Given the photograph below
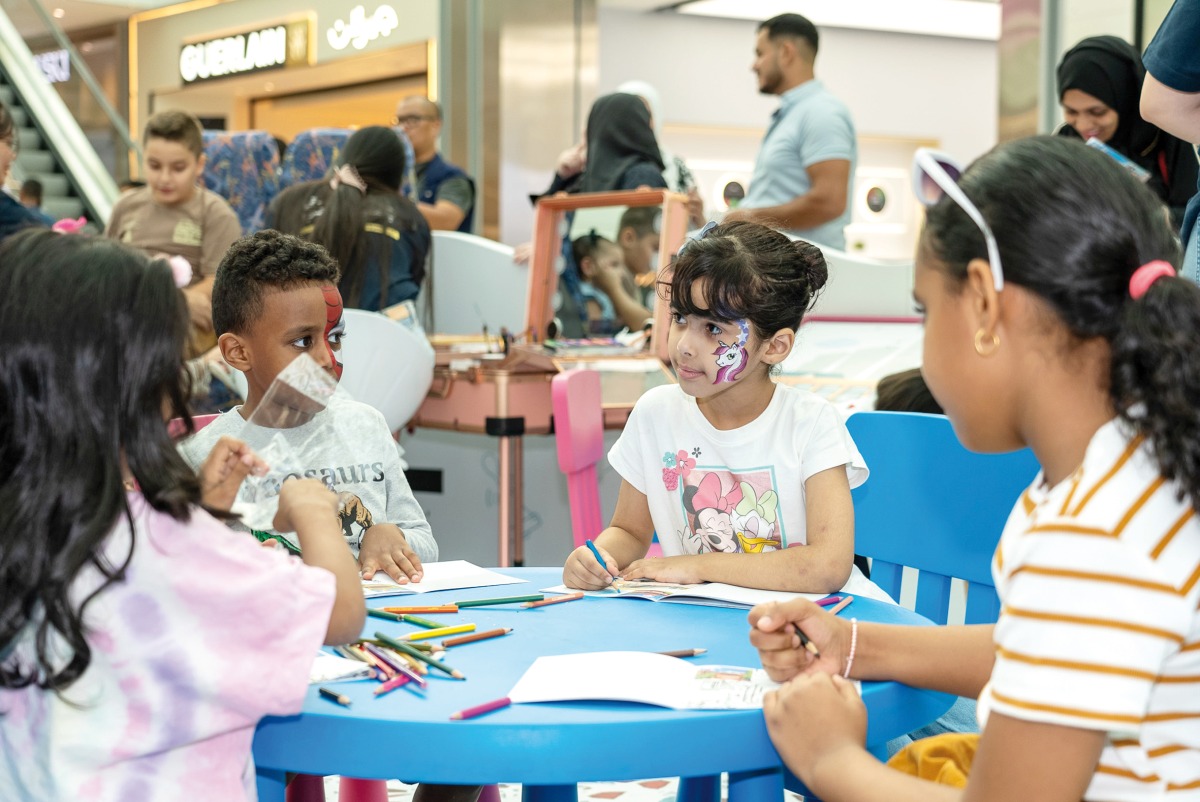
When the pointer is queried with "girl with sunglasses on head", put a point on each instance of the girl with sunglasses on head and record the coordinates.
(728, 467)
(1081, 345)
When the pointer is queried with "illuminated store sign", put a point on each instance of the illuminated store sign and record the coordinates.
(55, 65)
(261, 49)
(361, 29)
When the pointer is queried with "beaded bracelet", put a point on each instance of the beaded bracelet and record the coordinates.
(853, 644)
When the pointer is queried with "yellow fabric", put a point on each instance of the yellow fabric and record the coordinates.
(944, 759)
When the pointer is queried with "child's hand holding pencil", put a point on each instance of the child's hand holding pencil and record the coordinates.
(799, 637)
(590, 568)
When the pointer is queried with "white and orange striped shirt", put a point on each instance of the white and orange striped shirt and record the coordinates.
(1100, 628)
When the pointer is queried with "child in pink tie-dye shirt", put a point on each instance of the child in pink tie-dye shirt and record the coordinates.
(141, 640)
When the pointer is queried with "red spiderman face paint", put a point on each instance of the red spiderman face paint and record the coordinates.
(335, 327)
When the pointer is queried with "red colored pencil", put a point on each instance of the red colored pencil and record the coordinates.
(479, 710)
(568, 597)
(392, 684)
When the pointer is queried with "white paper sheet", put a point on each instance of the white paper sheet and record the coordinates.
(449, 575)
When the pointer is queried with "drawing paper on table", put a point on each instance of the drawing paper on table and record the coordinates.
(710, 594)
(335, 668)
(647, 677)
(449, 575)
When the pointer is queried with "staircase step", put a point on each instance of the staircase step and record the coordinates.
(20, 118)
(7, 95)
(28, 139)
(58, 208)
(53, 184)
(36, 161)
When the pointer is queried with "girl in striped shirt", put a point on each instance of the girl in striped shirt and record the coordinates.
(1053, 319)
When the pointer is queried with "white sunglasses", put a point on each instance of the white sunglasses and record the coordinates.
(936, 174)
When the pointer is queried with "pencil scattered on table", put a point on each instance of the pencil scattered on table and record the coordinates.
(503, 600)
(684, 652)
(392, 684)
(440, 632)
(491, 633)
(334, 696)
(420, 622)
(841, 605)
(555, 600)
(417, 653)
(479, 710)
(426, 609)
(828, 601)
(374, 613)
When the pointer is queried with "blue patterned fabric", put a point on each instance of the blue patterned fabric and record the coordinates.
(243, 168)
(409, 187)
(311, 154)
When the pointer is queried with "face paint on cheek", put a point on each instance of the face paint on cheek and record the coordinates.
(335, 327)
(731, 359)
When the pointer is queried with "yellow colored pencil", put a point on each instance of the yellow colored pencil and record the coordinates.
(457, 629)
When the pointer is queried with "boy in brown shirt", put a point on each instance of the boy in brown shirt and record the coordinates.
(174, 216)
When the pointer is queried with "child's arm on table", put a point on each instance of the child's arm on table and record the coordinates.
(385, 548)
(398, 546)
(821, 566)
(310, 509)
(818, 724)
(626, 539)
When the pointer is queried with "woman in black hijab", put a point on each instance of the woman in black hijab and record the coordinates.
(1099, 87)
(622, 152)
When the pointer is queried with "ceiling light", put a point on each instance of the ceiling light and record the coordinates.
(59, 13)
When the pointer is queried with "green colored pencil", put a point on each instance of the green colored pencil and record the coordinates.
(401, 646)
(421, 622)
(506, 600)
(384, 614)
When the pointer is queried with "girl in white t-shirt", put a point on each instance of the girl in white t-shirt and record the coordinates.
(744, 480)
(1053, 319)
(141, 640)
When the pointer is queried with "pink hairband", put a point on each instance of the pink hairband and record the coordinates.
(346, 174)
(1146, 275)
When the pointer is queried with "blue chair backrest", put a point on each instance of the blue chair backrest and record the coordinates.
(932, 505)
(243, 168)
(311, 154)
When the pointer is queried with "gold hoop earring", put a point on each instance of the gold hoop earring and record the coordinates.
(990, 349)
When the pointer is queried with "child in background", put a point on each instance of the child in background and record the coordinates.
(1075, 337)
(141, 640)
(275, 298)
(730, 468)
(609, 305)
(173, 216)
(637, 234)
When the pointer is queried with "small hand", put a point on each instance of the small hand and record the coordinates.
(583, 571)
(301, 498)
(221, 475)
(523, 253)
(812, 718)
(572, 160)
(684, 569)
(773, 631)
(384, 548)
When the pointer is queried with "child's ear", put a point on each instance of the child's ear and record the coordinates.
(201, 160)
(779, 346)
(587, 267)
(235, 352)
(627, 237)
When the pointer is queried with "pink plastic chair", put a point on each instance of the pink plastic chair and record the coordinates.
(579, 438)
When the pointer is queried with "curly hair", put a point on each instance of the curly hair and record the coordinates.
(1072, 226)
(749, 272)
(260, 262)
(76, 398)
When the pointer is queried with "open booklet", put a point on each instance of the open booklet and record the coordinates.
(653, 679)
(449, 575)
(711, 594)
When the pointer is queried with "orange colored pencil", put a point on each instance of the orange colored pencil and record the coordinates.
(441, 608)
(491, 633)
(843, 604)
(557, 599)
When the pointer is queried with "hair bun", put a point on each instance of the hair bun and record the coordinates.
(812, 264)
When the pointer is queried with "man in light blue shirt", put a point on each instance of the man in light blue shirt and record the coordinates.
(803, 174)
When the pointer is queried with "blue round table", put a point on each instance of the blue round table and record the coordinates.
(549, 747)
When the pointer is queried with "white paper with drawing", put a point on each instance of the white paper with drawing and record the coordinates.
(449, 575)
(708, 594)
(653, 679)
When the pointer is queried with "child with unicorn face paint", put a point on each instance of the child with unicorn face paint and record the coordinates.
(744, 480)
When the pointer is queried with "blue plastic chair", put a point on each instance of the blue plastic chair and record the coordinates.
(313, 152)
(243, 168)
(932, 505)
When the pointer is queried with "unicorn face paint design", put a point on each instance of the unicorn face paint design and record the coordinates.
(731, 359)
(335, 327)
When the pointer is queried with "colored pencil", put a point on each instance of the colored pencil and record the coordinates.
(400, 646)
(491, 633)
(479, 710)
(842, 605)
(421, 622)
(596, 553)
(381, 655)
(392, 684)
(503, 600)
(807, 644)
(440, 632)
(684, 652)
(428, 609)
(413, 674)
(375, 613)
(332, 695)
(383, 668)
(828, 601)
(555, 600)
